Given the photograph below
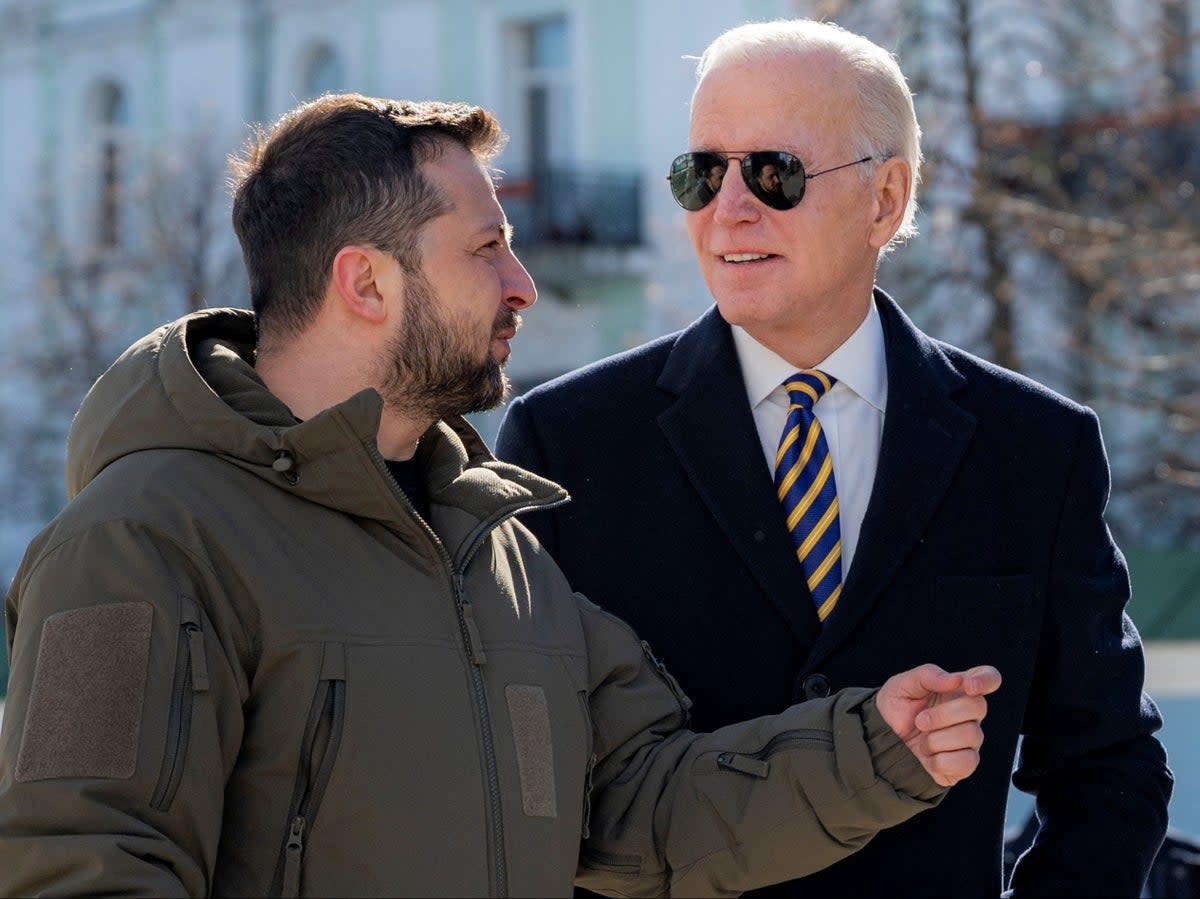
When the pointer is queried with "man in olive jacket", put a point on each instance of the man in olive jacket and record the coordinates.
(290, 638)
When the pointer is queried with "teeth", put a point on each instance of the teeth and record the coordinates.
(744, 257)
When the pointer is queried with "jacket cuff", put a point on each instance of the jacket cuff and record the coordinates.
(895, 762)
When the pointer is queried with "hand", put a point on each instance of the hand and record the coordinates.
(937, 714)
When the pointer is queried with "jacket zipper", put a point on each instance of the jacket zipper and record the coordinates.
(757, 764)
(191, 677)
(669, 679)
(318, 753)
(587, 797)
(473, 645)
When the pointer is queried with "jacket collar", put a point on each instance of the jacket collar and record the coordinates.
(192, 385)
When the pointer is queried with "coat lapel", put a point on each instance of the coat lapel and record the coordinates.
(925, 434)
(711, 430)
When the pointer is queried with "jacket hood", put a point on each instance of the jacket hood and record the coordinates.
(191, 385)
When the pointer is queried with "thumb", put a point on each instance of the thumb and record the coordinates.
(981, 680)
(929, 678)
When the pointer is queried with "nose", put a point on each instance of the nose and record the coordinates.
(734, 203)
(519, 290)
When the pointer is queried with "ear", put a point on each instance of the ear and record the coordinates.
(363, 282)
(892, 185)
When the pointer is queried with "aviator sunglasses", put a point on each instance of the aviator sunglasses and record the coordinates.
(774, 176)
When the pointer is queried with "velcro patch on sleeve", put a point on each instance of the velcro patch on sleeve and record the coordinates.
(530, 716)
(89, 686)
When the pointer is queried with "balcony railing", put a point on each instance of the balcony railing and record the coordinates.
(573, 207)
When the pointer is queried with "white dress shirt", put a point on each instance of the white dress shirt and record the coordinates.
(851, 414)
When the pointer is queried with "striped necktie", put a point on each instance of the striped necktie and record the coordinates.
(805, 484)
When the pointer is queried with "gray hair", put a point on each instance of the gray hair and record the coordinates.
(886, 123)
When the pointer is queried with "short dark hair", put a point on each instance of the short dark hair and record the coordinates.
(339, 170)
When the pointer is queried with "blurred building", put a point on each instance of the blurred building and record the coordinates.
(594, 96)
(116, 116)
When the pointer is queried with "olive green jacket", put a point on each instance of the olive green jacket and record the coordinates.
(241, 664)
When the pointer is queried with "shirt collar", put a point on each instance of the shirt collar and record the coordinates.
(860, 363)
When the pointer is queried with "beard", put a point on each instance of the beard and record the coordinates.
(431, 368)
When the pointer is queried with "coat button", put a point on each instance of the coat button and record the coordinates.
(816, 686)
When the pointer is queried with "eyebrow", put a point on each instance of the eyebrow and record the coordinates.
(503, 229)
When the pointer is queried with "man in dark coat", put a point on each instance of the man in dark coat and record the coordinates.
(802, 491)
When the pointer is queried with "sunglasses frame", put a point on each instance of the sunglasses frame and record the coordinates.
(747, 164)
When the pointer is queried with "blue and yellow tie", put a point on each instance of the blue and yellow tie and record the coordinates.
(805, 484)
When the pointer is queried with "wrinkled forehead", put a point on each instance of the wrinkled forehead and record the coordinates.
(795, 102)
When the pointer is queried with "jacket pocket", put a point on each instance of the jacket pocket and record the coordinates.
(586, 829)
(191, 677)
(318, 754)
(732, 779)
(758, 763)
(685, 704)
(576, 668)
(994, 606)
(969, 595)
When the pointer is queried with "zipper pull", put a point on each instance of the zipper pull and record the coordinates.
(199, 660)
(474, 641)
(744, 764)
(478, 656)
(195, 637)
(293, 855)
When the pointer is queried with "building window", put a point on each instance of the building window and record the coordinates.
(543, 86)
(323, 72)
(111, 116)
(537, 95)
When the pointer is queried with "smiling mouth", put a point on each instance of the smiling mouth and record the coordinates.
(746, 257)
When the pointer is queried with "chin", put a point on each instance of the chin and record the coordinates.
(736, 311)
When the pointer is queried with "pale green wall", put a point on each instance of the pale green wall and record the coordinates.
(609, 88)
(621, 298)
(607, 76)
(457, 38)
(460, 41)
(371, 44)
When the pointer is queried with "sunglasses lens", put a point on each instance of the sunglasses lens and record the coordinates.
(695, 179)
(775, 177)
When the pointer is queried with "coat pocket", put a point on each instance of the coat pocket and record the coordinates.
(318, 755)
(994, 605)
(191, 677)
(991, 619)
